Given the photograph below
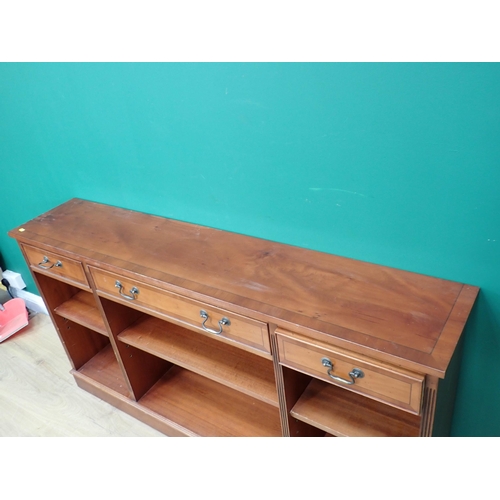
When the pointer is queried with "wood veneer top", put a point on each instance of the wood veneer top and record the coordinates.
(403, 316)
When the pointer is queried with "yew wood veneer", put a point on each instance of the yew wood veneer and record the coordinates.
(203, 332)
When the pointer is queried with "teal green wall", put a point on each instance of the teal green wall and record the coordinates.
(397, 164)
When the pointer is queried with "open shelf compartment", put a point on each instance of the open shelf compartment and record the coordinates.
(82, 309)
(340, 412)
(240, 370)
(104, 369)
(206, 408)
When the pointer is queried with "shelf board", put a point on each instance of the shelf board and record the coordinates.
(104, 368)
(82, 309)
(207, 408)
(228, 365)
(341, 412)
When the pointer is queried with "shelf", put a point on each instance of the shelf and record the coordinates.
(82, 309)
(235, 368)
(207, 408)
(341, 412)
(104, 369)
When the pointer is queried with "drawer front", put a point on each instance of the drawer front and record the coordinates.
(394, 386)
(62, 268)
(186, 312)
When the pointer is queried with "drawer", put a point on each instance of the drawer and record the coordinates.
(380, 381)
(61, 268)
(225, 325)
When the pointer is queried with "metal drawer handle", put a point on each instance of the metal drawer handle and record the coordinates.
(134, 291)
(222, 322)
(354, 373)
(46, 261)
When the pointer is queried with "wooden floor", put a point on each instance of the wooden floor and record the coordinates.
(39, 397)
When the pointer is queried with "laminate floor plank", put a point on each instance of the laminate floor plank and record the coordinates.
(39, 397)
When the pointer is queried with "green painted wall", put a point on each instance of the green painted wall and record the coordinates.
(397, 164)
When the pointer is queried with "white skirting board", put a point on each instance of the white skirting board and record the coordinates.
(32, 301)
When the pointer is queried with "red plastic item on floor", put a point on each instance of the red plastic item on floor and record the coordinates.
(13, 317)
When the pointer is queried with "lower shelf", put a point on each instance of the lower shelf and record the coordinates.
(208, 408)
(181, 403)
(124, 403)
(104, 369)
(341, 412)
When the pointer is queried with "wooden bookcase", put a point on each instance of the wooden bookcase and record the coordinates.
(202, 332)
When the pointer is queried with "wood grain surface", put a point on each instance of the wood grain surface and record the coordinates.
(398, 315)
